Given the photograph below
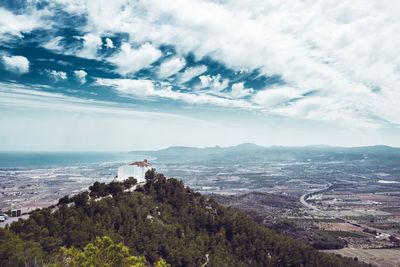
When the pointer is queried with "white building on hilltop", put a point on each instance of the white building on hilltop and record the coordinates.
(136, 170)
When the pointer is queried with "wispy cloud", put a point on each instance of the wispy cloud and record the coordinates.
(18, 96)
(14, 25)
(146, 88)
(54, 44)
(171, 67)
(192, 72)
(276, 96)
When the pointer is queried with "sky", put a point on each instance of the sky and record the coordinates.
(124, 75)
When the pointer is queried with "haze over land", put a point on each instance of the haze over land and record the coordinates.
(329, 197)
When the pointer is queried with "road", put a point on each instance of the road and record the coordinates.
(12, 219)
(303, 197)
(303, 201)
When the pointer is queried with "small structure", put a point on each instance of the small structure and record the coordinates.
(15, 212)
(136, 170)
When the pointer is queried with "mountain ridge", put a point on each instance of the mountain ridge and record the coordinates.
(249, 152)
(256, 146)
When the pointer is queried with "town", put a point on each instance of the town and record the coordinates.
(346, 207)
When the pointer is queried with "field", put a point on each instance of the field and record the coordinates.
(379, 257)
(331, 198)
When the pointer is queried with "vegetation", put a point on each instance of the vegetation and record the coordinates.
(161, 220)
(103, 252)
(16, 252)
(327, 240)
(260, 206)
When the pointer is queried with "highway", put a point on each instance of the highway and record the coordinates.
(303, 201)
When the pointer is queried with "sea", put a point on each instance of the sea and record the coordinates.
(60, 159)
(30, 180)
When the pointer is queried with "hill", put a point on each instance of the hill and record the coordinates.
(161, 220)
(245, 153)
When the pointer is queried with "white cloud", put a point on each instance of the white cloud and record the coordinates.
(109, 43)
(272, 97)
(16, 64)
(239, 91)
(146, 89)
(18, 95)
(91, 43)
(130, 60)
(323, 46)
(57, 75)
(312, 45)
(15, 25)
(139, 88)
(171, 66)
(327, 110)
(54, 44)
(80, 76)
(214, 83)
(113, 126)
(192, 72)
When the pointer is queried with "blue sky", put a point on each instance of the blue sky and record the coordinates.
(122, 75)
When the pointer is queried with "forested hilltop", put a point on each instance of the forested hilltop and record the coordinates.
(159, 224)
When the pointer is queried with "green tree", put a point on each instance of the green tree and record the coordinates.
(102, 252)
(81, 199)
(162, 263)
(64, 200)
(165, 220)
(128, 183)
(98, 189)
(115, 188)
(15, 252)
(150, 175)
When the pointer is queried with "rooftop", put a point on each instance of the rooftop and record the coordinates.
(143, 163)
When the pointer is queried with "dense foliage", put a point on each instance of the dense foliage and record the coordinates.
(161, 220)
(102, 252)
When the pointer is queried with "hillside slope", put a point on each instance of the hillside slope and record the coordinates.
(163, 219)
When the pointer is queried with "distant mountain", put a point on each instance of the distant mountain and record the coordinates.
(248, 152)
(206, 150)
(375, 149)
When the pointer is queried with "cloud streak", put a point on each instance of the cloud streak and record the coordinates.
(14, 96)
(147, 89)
